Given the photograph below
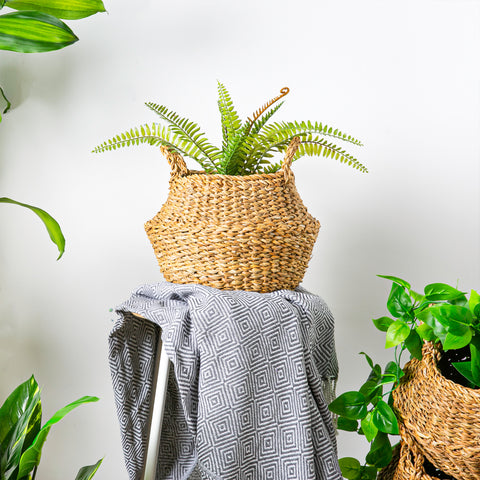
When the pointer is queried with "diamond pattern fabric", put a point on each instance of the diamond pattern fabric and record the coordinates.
(250, 380)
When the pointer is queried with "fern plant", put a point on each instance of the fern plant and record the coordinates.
(248, 147)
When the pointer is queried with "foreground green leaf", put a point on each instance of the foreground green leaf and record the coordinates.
(397, 332)
(30, 32)
(66, 9)
(384, 418)
(350, 468)
(351, 405)
(441, 291)
(31, 457)
(465, 369)
(368, 427)
(86, 473)
(382, 323)
(380, 452)
(347, 424)
(399, 302)
(414, 344)
(18, 417)
(52, 226)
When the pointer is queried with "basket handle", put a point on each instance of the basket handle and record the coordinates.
(176, 162)
(289, 154)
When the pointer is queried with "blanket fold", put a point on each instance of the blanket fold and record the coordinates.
(250, 380)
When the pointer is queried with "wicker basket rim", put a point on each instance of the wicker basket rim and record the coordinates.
(237, 178)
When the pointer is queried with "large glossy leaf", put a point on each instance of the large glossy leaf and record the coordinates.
(414, 344)
(347, 424)
(352, 405)
(465, 369)
(458, 336)
(350, 468)
(66, 9)
(86, 473)
(473, 301)
(368, 427)
(31, 457)
(18, 417)
(30, 32)
(50, 223)
(382, 323)
(397, 332)
(380, 452)
(384, 418)
(399, 302)
(441, 291)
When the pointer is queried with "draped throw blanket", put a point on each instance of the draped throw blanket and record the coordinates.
(250, 380)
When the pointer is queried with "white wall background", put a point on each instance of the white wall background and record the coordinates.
(402, 76)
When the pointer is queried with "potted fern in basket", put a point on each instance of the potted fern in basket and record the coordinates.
(247, 148)
(240, 223)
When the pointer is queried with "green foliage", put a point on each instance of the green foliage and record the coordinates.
(52, 226)
(247, 147)
(36, 25)
(22, 437)
(442, 314)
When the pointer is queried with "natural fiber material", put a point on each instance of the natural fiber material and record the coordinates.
(442, 417)
(233, 232)
(407, 463)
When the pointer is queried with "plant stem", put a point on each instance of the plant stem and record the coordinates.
(34, 472)
(7, 108)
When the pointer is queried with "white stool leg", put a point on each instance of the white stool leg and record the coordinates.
(160, 394)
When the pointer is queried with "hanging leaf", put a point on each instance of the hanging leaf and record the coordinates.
(86, 473)
(397, 332)
(351, 405)
(32, 455)
(66, 9)
(350, 468)
(384, 418)
(50, 223)
(30, 32)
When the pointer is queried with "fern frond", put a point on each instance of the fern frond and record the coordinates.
(238, 148)
(264, 108)
(154, 135)
(194, 140)
(259, 124)
(301, 128)
(231, 122)
(317, 146)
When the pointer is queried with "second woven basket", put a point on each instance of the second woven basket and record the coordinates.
(233, 232)
(442, 417)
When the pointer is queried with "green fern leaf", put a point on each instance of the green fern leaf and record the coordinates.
(193, 140)
(231, 122)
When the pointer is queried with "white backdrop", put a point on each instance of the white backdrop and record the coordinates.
(404, 77)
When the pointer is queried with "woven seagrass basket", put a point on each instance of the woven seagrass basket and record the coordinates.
(233, 232)
(442, 417)
(406, 464)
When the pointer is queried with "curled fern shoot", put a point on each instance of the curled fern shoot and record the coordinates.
(248, 147)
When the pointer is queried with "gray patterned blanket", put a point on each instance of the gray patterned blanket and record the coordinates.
(250, 380)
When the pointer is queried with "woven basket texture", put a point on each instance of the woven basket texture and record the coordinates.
(233, 232)
(406, 464)
(442, 417)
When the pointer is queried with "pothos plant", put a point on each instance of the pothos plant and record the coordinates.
(248, 146)
(36, 26)
(442, 314)
(22, 435)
